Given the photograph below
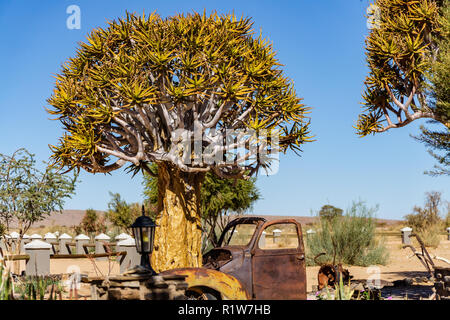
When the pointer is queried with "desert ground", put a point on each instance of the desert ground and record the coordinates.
(401, 266)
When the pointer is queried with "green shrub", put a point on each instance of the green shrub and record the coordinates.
(341, 292)
(41, 288)
(6, 283)
(345, 292)
(349, 239)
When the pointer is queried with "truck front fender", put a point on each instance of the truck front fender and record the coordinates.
(228, 286)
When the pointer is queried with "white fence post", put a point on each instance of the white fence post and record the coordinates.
(35, 236)
(50, 238)
(276, 235)
(262, 240)
(25, 239)
(310, 233)
(100, 240)
(406, 232)
(81, 240)
(132, 258)
(39, 262)
(14, 241)
(63, 239)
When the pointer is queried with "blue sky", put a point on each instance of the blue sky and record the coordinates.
(321, 44)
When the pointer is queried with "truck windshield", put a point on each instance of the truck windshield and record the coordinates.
(239, 235)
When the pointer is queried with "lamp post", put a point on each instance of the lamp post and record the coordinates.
(144, 234)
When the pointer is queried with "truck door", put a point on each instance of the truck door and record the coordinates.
(278, 262)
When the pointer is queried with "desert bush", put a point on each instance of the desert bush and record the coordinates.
(343, 291)
(427, 215)
(426, 222)
(349, 239)
(430, 235)
(92, 223)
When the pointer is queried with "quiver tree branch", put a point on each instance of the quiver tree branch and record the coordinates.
(401, 49)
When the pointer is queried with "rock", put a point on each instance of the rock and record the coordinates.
(359, 287)
(140, 288)
(137, 270)
(403, 283)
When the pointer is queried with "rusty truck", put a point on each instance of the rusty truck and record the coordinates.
(254, 259)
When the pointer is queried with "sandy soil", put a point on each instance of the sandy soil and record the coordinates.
(399, 267)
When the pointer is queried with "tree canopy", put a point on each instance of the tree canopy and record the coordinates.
(123, 214)
(436, 140)
(191, 93)
(401, 49)
(28, 195)
(144, 88)
(92, 223)
(329, 212)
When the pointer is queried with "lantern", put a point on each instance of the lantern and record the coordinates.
(144, 235)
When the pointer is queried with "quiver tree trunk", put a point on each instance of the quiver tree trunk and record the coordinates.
(178, 237)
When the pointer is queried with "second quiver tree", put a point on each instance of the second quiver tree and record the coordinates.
(403, 47)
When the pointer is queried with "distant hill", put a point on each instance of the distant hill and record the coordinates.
(69, 218)
(310, 220)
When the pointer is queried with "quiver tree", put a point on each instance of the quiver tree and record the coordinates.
(438, 141)
(175, 92)
(402, 46)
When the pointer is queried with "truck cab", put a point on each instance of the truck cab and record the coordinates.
(266, 257)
